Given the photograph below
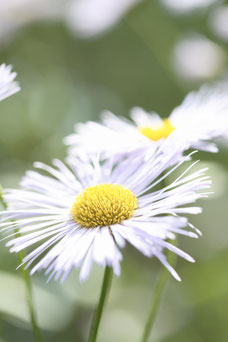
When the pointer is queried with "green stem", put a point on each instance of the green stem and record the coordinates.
(103, 297)
(2, 200)
(28, 289)
(28, 292)
(159, 288)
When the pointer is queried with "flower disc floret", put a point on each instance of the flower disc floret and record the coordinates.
(103, 205)
(155, 134)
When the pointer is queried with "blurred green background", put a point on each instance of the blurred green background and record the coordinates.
(153, 54)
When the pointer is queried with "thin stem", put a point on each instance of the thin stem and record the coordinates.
(28, 289)
(159, 288)
(2, 200)
(103, 297)
(28, 292)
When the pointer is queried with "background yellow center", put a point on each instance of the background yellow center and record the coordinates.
(162, 131)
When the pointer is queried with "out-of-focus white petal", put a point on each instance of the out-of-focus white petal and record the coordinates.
(8, 86)
(203, 115)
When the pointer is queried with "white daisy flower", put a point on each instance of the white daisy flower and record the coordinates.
(202, 116)
(8, 86)
(84, 213)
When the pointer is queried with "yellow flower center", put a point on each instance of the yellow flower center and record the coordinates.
(162, 131)
(103, 205)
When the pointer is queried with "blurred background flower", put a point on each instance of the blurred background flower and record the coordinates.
(134, 59)
(186, 6)
(219, 22)
(197, 58)
(85, 18)
(18, 13)
(88, 18)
